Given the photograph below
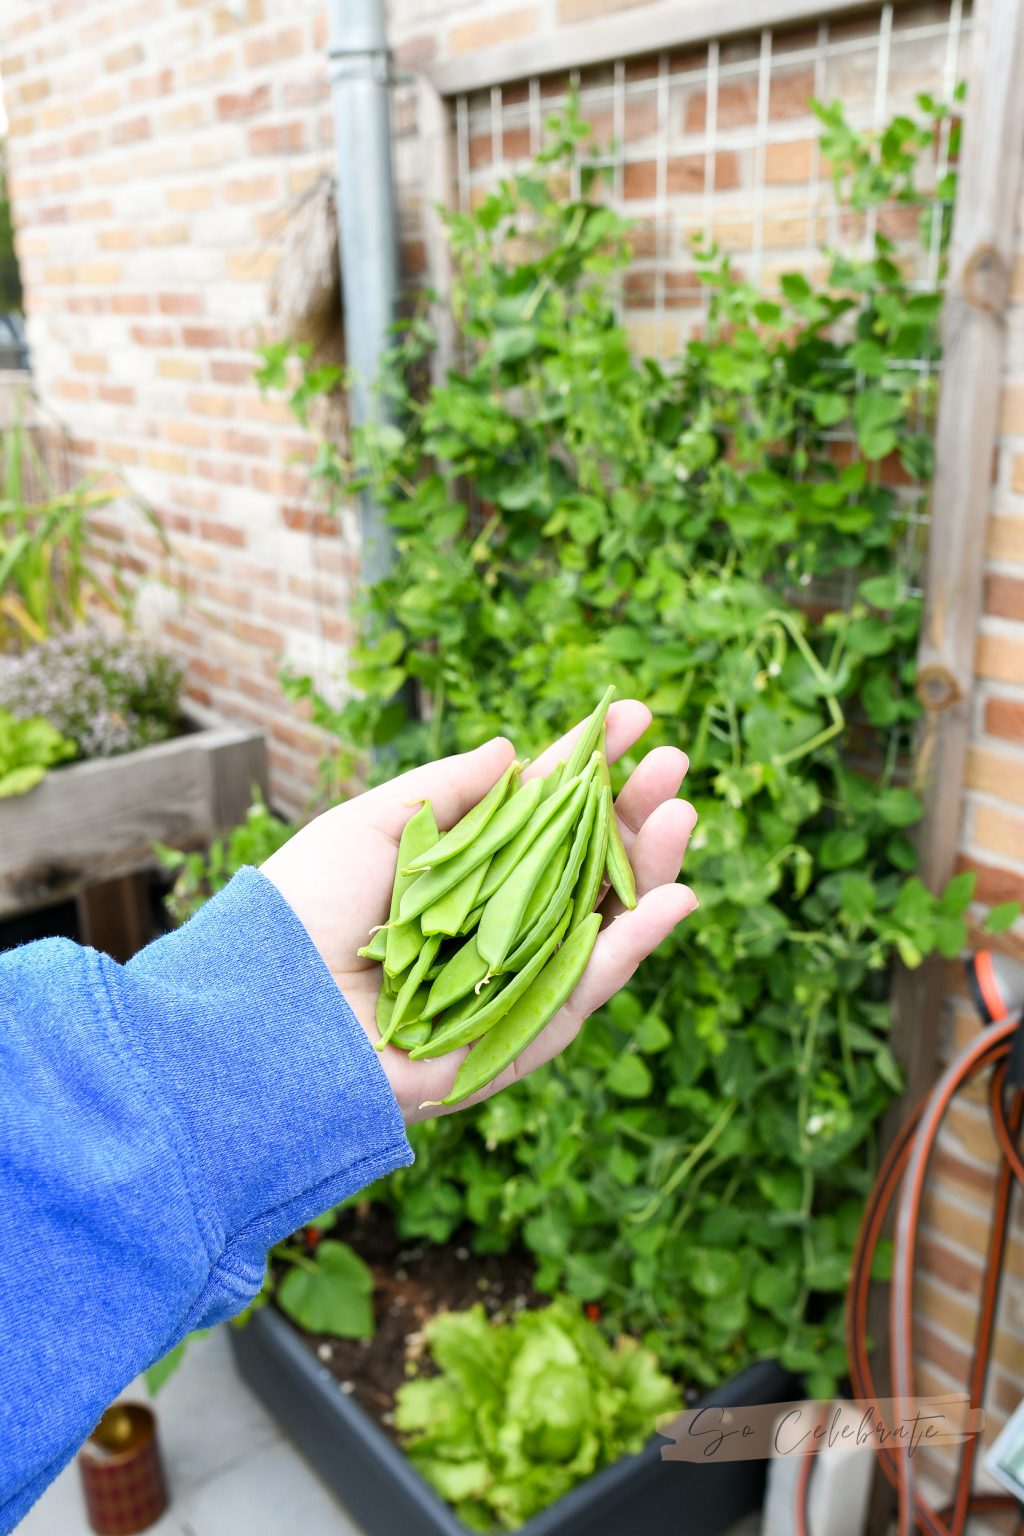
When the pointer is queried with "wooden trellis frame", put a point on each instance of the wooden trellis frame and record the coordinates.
(981, 256)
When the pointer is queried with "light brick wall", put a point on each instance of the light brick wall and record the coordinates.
(154, 153)
(154, 149)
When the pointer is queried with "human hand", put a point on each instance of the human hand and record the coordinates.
(337, 874)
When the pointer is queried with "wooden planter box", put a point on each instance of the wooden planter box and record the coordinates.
(386, 1496)
(87, 832)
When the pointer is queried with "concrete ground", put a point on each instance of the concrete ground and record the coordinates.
(229, 1468)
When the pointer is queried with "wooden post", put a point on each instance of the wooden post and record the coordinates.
(981, 260)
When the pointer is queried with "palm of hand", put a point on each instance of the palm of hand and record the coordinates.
(337, 875)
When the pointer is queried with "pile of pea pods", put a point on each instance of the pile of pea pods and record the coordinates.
(493, 922)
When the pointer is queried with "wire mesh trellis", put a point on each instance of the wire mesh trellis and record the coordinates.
(719, 143)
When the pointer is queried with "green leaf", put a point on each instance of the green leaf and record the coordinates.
(630, 1077)
(899, 807)
(332, 1295)
(1002, 917)
(841, 848)
(873, 416)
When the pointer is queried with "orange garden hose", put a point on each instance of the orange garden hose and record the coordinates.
(903, 1173)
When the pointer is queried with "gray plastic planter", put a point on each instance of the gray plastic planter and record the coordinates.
(387, 1497)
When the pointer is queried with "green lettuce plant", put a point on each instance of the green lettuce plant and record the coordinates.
(27, 749)
(521, 1411)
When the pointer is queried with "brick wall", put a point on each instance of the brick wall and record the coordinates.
(155, 150)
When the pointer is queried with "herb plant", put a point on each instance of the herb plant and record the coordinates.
(108, 693)
(523, 1410)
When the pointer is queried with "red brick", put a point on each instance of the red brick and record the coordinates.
(117, 394)
(151, 335)
(205, 336)
(683, 173)
(1004, 595)
(248, 443)
(276, 138)
(222, 471)
(234, 104)
(303, 520)
(1005, 717)
(129, 303)
(227, 593)
(229, 372)
(132, 131)
(222, 533)
(258, 634)
(180, 303)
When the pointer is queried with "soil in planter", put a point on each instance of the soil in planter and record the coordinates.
(414, 1280)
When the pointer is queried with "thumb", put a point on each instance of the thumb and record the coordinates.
(453, 785)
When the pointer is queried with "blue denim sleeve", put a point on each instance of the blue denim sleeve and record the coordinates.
(161, 1125)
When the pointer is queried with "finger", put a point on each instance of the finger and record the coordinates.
(626, 722)
(657, 778)
(620, 948)
(657, 850)
(453, 785)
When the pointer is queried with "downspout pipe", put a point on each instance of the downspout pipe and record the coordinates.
(360, 72)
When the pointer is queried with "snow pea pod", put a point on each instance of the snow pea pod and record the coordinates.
(451, 1032)
(620, 871)
(469, 828)
(503, 915)
(511, 856)
(418, 834)
(429, 886)
(377, 947)
(449, 912)
(405, 999)
(527, 1017)
(463, 971)
(413, 1033)
(592, 873)
(560, 899)
(546, 886)
(590, 737)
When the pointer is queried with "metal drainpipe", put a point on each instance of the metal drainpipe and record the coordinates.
(359, 64)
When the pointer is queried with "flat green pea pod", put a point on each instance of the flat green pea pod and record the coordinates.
(426, 888)
(453, 1030)
(472, 1002)
(501, 923)
(449, 912)
(405, 1000)
(377, 947)
(385, 1008)
(546, 886)
(511, 856)
(560, 899)
(472, 921)
(588, 886)
(550, 989)
(591, 736)
(402, 944)
(465, 970)
(469, 828)
(414, 1032)
(620, 870)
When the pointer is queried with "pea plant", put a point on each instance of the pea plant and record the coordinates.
(728, 536)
